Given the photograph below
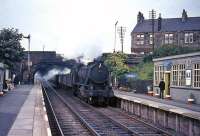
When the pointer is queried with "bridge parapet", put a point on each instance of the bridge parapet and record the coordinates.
(40, 60)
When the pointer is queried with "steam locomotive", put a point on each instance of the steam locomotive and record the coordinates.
(90, 82)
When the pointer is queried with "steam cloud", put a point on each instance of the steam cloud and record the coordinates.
(54, 72)
(51, 74)
(87, 53)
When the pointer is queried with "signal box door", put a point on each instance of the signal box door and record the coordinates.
(167, 83)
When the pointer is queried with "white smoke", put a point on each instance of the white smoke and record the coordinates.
(37, 78)
(55, 71)
(86, 53)
(83, 59)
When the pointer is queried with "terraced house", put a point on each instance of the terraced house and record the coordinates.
(184, 31)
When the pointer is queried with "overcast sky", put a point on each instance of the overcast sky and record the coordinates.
(74, 27)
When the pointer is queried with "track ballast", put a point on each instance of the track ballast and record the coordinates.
(88, 120)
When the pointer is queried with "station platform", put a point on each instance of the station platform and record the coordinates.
(188, 110)
(178, 118)
(22, 112)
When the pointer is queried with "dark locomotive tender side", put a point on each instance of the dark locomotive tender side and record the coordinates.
(90, 82)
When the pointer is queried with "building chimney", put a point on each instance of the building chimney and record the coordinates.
(140, 17)
(159, 22)
(184, 16)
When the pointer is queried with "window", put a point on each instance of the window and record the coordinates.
(150, 39)
(188, 37)
(158, 74)
(181, 75)
(168, 38)
(178, 75)
(140, 39)
(196, 77)
(175, 75)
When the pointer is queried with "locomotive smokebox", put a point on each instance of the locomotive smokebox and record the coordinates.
(96, 72)
(99, 73)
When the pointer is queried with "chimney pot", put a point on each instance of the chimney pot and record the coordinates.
(140, 17)
(184, 16)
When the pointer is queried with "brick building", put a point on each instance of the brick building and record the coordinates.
(184, 31)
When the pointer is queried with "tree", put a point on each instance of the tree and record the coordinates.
(144, 70)
(11, 50)
(116, 64)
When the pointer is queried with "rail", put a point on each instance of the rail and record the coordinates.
(59, 130)
(84, 122)
(122, 127)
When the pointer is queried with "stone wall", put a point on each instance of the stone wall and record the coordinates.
(174, 123)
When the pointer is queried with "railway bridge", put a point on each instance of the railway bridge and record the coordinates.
(40, 61)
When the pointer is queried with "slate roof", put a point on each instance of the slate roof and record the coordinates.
(169, 25)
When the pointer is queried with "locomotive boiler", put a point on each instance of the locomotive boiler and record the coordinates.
(92, 82)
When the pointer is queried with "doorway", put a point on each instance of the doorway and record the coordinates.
(167, 83)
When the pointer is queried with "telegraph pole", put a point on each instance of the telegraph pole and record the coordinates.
(121, 31)
(152, 16)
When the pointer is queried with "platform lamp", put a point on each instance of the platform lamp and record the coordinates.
(29, 63)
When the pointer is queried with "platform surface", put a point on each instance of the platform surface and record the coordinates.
(192, 111)
(10, 105)
(31, 119)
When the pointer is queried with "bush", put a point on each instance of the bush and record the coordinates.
(144, 70)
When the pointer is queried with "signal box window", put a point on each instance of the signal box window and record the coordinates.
(178, 75)
(196, 77)
(188, 37)
(158, 74)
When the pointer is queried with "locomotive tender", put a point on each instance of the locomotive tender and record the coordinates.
(90, 82)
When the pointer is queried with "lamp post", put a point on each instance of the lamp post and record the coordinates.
(115, 37)
(29, 64)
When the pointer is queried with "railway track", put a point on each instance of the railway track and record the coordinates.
(139, 127)
(62, 121)
(100, 121)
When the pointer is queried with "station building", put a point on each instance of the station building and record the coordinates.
(181, 74)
